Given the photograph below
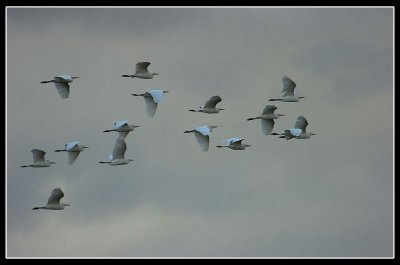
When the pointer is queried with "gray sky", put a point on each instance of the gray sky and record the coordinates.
(330, 196)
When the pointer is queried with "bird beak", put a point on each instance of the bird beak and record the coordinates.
(67, 204)
(136, 126)
(221, 109)
(85, 146)
(75, 77)
(165, 91)
(282, 114)
(51, 162)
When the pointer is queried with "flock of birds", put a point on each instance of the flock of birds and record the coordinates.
(152, 99)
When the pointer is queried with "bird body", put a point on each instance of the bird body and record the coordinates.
(53, 202)
(210, 106)
(288, 94)
(123, 127)
(141, 71)
(61, 83)
(73, 149)
(38, 159)
(202, 134)
(152, 98)
(267, 119)
(234, 143)
(118, 155)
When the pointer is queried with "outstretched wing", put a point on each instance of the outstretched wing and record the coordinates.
(119, 149)
(63, 89)
(141, 67)
(71, 146)
(151, 106)
(269, 109)
(212, 102)
(120, 124)
(301, 123)
(72, 156)
(233, 140)
(267, 126)
(288, 86)
(38, 155)
(55, 196)
(202, 140)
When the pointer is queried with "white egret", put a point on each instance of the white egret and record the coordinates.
(234, 143)
(152, 99)
(298, 132)
(142, 72)
(61, 83)
(117, 157)
(38, 159)
(202, 135)
(288, 91)
(267, 119)
(123, 127)
(210, 106)
(73, 149)
(54, 201)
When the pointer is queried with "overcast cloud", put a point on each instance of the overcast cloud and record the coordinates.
(329, 196)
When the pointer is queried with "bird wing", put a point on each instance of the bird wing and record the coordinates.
(142, 67)
(63, 89)
(294, 131)
(288, 86)
(63, 78)
(151, 106)
(71, 145)
(269, 109)
(120, 124)
(119, 149)
(204, 130)
(38, 155)
(202, 140)
(55, 196)
(301, 123)
(233, 140)
(72, 156)
(212, 102)
(157, 95)
(267, 126)
(122, 135)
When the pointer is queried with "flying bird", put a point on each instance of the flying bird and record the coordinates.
(117, 157)
(298, 132)
(73, 149)
(123, 127)
(142, 72)
(202, 135)
(288, 91)
(54, 201)
(210, 106)
(38, 159)
(234, 143)
(152, 99)
(61, 83)
(267, 119)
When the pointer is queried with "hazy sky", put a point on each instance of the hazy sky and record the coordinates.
(329, 196)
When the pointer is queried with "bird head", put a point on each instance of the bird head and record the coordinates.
(66, 204)
(302, 97)
(156, 74)
(130, 160)
(281, 114)
(165, 91)
(221, 109)
(51, 162)
(213, 126)
(313, 134)
(85, 146)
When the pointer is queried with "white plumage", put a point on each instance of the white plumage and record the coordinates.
(53, 202)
